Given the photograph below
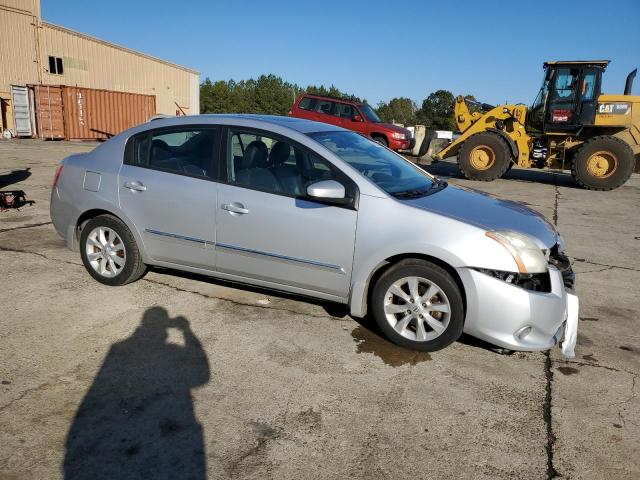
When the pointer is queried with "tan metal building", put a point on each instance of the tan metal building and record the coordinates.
(35, 52)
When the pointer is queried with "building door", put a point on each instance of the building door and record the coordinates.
(21, 111)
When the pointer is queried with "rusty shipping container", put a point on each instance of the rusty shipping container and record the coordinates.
(100, 114)
(49, 114)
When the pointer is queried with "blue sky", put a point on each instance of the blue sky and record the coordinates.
(375, 49)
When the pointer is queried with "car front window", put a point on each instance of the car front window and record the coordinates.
(370, 113)
(386, 169)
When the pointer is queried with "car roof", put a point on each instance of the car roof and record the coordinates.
(297, 124)
(333, 99)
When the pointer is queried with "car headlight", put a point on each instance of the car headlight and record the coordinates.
(398, 136)
(528, 256)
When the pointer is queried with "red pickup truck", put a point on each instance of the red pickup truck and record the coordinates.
(356, 116)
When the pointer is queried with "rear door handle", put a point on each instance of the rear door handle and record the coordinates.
(235, 207)
(135, 186)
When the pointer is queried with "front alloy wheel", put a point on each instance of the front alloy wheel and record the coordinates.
(417, 308)
(418, 305)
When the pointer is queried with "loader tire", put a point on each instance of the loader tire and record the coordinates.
(484, 157)
(603, 163)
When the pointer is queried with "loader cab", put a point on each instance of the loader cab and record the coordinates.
(568, 97)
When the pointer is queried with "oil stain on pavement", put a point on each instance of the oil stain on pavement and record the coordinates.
(390, 354)
(568, 370)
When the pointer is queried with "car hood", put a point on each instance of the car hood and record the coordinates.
(393, 128)
(488, 212)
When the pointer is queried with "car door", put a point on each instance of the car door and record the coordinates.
(268, 231)
(343, 112)
(360, 125)
(166, 189)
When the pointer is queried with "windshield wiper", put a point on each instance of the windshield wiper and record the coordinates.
(439, 184)
(415, 193)
(436, 186)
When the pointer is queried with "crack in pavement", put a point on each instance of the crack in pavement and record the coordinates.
(548, 416)
(595, 271)
(30, 252)
(24, 394)
(634, 378)
(547, 406)
(33, 225)
(608, 267)
(597, 365)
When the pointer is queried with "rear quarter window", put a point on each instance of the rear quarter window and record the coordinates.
(306, 103)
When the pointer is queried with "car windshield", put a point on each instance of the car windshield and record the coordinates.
(369, 113)
(386, 169)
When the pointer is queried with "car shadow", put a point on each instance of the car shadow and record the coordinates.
(561, 178)
(367, 334)
(14, 176)
(137, 419)
(333, 309)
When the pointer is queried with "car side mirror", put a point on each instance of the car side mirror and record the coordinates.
(328, 191)
(357, 118)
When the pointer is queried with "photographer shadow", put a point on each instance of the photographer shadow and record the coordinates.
(137, 419)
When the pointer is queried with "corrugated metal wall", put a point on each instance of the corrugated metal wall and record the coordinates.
(17, 49)
(49, 112)
(92, 63)
(100, 114)
(26, 44)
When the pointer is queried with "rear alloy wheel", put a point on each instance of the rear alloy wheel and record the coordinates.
(484, 157)
(109, 251)
(603, 163)
(418, 305)
(105, 252)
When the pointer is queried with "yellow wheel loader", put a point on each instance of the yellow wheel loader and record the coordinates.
(570, 125)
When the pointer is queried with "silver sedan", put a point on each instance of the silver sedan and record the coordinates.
(319, 211)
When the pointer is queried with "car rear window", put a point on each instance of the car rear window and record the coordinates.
(306, 103)
(188, 151)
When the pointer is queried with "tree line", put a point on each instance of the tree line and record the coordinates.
(271, 95)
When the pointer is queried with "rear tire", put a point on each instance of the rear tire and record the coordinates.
(484, 157)
(109, 251)
(603, 163)
(410, 319)
(381, 140)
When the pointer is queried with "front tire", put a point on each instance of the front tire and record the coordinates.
(484, 157)
(109, 251)
(418, 305)
(603, 163)
(381, 140)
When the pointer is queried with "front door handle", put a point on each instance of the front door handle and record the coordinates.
(235, 207)
(135, 186)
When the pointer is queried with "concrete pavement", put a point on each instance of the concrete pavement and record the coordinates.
(187, 377)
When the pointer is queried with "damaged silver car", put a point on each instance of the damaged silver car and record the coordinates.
(312, 209)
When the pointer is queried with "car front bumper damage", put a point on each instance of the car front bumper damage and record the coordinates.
(515, 318)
